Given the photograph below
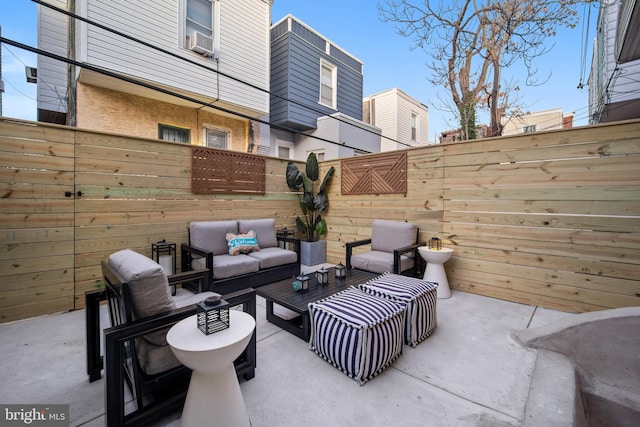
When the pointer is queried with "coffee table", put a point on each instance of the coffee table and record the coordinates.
(282, 293)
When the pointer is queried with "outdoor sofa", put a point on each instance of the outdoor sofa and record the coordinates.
(239, 254)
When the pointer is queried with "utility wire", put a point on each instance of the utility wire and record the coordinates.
(585, 43)
(162, 90)
(192, 62)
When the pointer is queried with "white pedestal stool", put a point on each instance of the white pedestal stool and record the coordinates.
(214, 397)
(434, 272)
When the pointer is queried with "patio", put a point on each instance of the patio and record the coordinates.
(470, 372)
(547, 220)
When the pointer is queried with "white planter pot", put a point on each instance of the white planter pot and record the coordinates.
(313, 253)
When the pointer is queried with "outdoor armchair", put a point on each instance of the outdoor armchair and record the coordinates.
(142, 310)
(394, 248)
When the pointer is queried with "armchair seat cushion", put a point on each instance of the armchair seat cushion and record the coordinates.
(153, 358)
(229, 265)
(379, 262)
(273, 257)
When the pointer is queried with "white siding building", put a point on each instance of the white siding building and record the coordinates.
(404, 121)
(614, 83)
(52, 75)
(213, 54)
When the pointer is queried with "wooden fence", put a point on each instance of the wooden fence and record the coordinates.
(549, 219)
(72, 197)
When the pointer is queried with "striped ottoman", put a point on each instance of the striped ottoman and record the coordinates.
(356, 332)
(419, 296)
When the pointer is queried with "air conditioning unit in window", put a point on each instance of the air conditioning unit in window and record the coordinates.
(201, 44)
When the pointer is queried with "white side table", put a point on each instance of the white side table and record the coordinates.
(214, 397)
(434, 272)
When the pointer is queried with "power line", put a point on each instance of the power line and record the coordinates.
(162, 90)
(585, 43)
(192, 62)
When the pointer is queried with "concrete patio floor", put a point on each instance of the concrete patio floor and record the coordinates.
(470, 372)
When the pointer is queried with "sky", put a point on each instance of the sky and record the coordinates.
(355, 26)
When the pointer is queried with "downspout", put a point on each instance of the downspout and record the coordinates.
(72, 119)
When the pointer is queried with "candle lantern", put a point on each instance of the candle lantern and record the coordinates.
(435, 244)
(164, 253)
(212, 315)
(304, 282)
(322, 276)
(341, 271)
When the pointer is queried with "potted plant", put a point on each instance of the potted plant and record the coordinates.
(311, 225)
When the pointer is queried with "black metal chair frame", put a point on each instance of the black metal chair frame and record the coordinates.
(416, 270)
(168, 389)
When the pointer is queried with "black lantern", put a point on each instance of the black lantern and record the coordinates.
(212, 315)
(435, 243)
(322, 276)
(304, 282)
(164, 253)
(341, 271)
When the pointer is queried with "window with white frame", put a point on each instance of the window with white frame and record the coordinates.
(328, 83)
(202, 16)
(199, 17)
(216, 138)
(414, 127)
(284, 152)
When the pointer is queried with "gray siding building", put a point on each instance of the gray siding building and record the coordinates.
(316, 96)
(310, 77)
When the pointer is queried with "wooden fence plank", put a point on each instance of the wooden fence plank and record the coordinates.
(548, 219)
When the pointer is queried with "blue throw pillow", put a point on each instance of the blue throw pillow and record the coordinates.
(242, 243)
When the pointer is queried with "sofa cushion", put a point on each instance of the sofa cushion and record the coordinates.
(225, 266)
(379, 262)
(265, 230)
(210, 235)
(147, 285)
(389, 235)
(242, 243)
(273, 257)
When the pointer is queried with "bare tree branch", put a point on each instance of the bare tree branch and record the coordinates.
(471, 41)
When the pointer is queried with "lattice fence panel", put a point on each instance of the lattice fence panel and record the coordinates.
(219, 171)
(384, 173)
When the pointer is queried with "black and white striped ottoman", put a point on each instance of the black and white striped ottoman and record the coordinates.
(357, 333)
(420, 297)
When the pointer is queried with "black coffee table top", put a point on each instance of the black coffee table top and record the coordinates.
(283, 294)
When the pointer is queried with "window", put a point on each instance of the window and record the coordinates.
(530, 128)
(173, 133)
(216, 138)
(414, 127)
(202, 16)
(328, 73)
(199, 17)
(284, 152)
